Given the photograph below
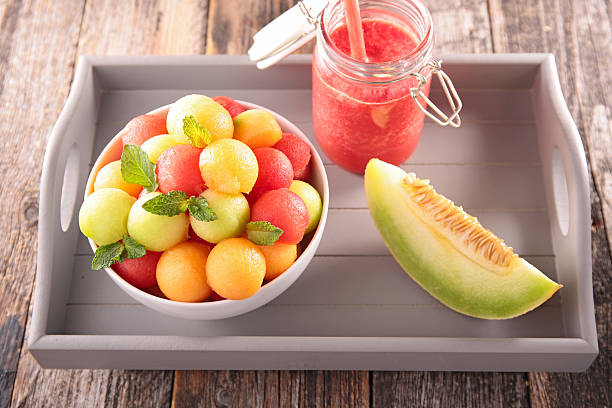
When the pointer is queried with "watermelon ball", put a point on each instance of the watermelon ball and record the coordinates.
(139, 272)
(285, 210)
(275, 171)
(298, 153)
(178, 169)
(230, 105)
(142, 128)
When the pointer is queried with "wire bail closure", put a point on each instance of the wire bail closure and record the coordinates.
(449, 90)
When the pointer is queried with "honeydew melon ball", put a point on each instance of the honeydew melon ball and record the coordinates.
(110, 176)
(156, 232)
(155, 146)
(233, 214)
(103, 216)
(313, 202)
(207, 113)
(229, 166)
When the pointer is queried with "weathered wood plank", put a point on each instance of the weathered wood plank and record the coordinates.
(579, 36)
(143, 27)
(34, 79)
(226, 389)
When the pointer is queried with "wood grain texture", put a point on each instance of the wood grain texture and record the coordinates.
(28, 113)
(578, 33)
(142, 27)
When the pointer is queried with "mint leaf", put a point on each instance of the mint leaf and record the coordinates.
(200, 209)
(263, 233)
(107, 255)
(197, 134)
(132, 248)
(171, 204)
(136, 168)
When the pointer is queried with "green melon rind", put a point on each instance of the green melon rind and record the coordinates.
(435, 263)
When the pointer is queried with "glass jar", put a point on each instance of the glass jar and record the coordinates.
(363, 110)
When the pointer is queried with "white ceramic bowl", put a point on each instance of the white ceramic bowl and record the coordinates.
(224, 308)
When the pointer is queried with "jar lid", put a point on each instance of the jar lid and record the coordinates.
(286, 33)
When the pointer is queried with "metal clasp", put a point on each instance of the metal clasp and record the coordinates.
(449, 90)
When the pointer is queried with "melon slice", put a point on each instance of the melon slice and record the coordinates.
(447, 251)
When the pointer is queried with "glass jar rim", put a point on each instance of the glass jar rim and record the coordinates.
(388, 71)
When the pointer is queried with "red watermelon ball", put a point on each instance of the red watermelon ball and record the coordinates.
(285, 210)
(275, 171)
(230, 105)
(142, 128)
(298, 153)
(178, 169)
(139, 272)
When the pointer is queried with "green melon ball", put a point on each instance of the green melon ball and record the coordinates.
(156, 232)
(233, 214)
(205, 111)
(103, 216)
(312, 199)
(156, 145)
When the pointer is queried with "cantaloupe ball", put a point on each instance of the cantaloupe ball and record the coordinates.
(236, 268)
(104, 214)
(206, 112)
(313, 202)
(156, 232)
(155, 146)
(279, 257)
(181, 272)
(110, 176)
(229, 166)
(257, 128)
(233, 214)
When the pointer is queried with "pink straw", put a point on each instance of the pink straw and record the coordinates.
(355, 30)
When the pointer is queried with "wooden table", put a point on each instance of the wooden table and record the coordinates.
(40, 41)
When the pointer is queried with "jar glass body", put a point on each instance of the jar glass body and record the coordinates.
(363, 110)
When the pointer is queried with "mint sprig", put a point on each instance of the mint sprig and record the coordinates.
(197, 134)
(177, 202)
(136, 168)
(107, 255)
(263, 232)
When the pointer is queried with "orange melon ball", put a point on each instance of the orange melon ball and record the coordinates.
(110, 176)
(257, 128)
(236, 268)
(181, 272)
(279, 257)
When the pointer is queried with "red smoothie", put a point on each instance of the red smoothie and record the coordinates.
(355, 121)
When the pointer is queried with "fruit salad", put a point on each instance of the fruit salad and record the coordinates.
(205, 204)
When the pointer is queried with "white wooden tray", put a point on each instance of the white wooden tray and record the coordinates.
(517, 163)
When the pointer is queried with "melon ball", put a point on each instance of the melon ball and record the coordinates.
(313, 202)
(275, 171)
(156, 145)
(103, 216)
(110, 176)
(233, 107)
(236, 268)
(206, 112)
(139, 272)
(233, 213)
(181, 272)
(257, 128)
(285, 210)
(156, 232)
(279, 257)
(229, 166)
(142, 128)
(298, 153)
(178, 169)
